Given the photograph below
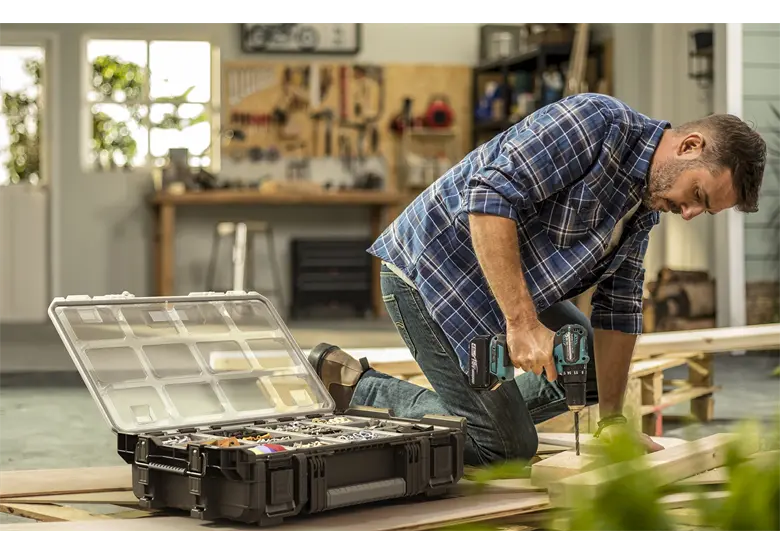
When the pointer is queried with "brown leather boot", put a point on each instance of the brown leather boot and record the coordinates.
(339, 371)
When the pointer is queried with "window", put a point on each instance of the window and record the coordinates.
(147, 97)
(21, 72)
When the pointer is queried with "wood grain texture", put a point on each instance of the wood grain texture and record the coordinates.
(118, 498)
(560, 466)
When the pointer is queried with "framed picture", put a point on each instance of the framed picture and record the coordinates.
(301, 38)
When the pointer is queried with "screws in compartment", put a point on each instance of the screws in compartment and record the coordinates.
(173, 441)
(338, 420)
(359, 436)
(312, 444)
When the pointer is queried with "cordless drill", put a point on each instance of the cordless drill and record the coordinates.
(571, 362)
(490, 366)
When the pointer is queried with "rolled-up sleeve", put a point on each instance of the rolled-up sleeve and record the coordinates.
(617, 301)
(539, 159)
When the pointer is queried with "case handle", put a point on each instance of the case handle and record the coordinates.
(366, 492)
(164, 467)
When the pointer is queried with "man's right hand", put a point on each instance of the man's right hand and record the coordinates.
(531, 347)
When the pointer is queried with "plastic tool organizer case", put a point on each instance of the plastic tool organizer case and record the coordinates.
(220, 413)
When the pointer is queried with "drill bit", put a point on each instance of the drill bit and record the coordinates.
(577, 432)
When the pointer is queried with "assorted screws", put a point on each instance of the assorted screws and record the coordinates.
(307, 429)
(313, 428)
(175, 441)
(338, 420)
(312, 444)
(359, 436)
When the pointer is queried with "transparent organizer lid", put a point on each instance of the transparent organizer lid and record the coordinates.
(162, 363)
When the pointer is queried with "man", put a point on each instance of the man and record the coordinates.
(562, 201)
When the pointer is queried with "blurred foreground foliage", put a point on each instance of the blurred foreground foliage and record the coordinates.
(634, 501)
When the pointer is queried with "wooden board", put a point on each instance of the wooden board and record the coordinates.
(561, 466)
(117, 498)
(665, 467)
(53, 481)
(50, 512)
(748, 337)
(587, 442)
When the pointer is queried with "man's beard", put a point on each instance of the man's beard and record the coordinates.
(661, 179)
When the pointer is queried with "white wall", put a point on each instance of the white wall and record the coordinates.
(761, 90)
(651, 75)
(103, 225)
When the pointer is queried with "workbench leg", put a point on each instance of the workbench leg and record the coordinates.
(164, 255)
(700, 374)
(652, 388)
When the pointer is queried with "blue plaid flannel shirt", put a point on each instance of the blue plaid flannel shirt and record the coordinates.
(566, 174)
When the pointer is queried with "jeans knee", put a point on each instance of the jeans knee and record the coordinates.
(517, 446)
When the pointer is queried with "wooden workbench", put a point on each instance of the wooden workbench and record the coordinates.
(381, 205)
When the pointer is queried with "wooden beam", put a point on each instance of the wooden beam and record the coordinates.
(664, 467)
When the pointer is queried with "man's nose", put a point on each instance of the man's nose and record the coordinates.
(689, 213)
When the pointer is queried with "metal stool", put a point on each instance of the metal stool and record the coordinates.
(243, 234)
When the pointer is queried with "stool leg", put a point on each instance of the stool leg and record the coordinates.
(274, 266)
(239, 257)
(211, 275)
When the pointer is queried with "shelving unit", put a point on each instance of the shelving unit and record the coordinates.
(534, 61)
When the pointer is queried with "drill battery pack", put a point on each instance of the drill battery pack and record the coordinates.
(479, 363)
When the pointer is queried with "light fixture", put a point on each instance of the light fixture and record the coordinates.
(700, 57)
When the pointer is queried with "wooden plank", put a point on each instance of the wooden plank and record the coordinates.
(118, 498)
(720, 475)
(677, 397)
(700, 375)
(38, 482)
(587, 442)
(49, 512)
(665, 467)
(747, 337)
(561, 466)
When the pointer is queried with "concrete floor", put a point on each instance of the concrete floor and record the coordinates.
(49, 420)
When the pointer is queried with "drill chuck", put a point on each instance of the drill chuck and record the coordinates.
(571, 360)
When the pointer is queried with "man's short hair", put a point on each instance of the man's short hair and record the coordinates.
(732, 144)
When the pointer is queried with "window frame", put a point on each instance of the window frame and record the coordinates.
(211, 108)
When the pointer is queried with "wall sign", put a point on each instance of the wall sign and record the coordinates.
(300, 38)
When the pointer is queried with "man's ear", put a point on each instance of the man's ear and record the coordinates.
(691, 145)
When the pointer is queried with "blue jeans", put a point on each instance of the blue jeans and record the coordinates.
(501, 422)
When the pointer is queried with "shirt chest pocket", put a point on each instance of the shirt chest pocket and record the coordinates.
(571, 216)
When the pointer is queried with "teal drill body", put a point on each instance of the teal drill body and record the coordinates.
(490, 357)
(570, 353)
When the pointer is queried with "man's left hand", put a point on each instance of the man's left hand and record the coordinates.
(610, 432)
